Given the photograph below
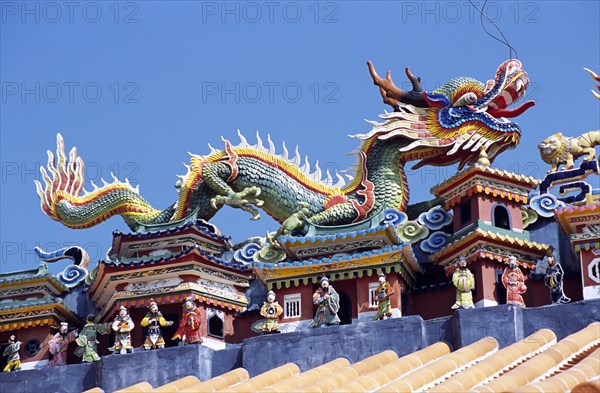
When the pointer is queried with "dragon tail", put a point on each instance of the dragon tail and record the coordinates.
(64, 199)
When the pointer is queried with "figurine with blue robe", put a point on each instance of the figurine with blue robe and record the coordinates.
(554, 280)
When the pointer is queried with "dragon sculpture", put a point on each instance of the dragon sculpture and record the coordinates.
(464, 121)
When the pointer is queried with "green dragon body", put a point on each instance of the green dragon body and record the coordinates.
(459, 122)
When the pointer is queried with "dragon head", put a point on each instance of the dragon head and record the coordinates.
(462, 117)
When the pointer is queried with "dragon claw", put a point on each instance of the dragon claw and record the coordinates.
(241, 200)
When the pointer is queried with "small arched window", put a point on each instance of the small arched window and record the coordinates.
(215, 323)
(501, 218)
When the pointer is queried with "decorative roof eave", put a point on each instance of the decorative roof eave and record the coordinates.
(178, 295)
(202, 228)
(479, 189)
(479, 251)
(522, 181)
(311, 247)
(570, 217)
(386, 230)
(109, 268)
(587, 246)
(388, 258)
(451, 250)
(106, 281)
(148, 261)
(585, 241)
(49, 279)
(35, 316)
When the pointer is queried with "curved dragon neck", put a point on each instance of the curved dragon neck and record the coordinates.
(386, 171)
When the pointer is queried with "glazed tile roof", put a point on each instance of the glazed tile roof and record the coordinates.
(145, 261)
(151, 234)
(19, 304)
(490, 235)
(535, 364)
(528, 180)
(31, 276)
(333, 259)
(336, 236)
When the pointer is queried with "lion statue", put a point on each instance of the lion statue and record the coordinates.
(558, 149)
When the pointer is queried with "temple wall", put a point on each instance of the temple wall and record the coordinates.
(307, 348)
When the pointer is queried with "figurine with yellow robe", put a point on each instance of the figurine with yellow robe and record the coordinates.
(271, 310)
(154, 320)
(384, 292)
(464, 281)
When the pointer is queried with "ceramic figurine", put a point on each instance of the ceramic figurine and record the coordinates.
(86, 341)
(464, 281)
(514, 282)
(384, 291)
(59, 344)
(554, 280)
(13, 363)
(271, 310)
(122, 325)
(327, 301)
(154, 320)
(189, 326)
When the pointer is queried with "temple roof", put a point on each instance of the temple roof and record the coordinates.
(25, 277)
(152, 232)
(482, 231)
(399, 258)
(156, 260)
(538, 363)
(495, 173)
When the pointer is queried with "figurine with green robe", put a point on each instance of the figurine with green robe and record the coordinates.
(327, 301)
(86, 341)
(13, 362)
(464, 281)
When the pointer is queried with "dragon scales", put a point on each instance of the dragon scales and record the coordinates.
(464, 122)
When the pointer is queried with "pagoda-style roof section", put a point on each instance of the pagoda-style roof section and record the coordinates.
(150, 231)
(573, 219)
(168, 257)
(168, 237)
(483, 179)
(300, 248)
(28, 278)
(12, 305)
(35, 312)
(399, 258)
(489, 242)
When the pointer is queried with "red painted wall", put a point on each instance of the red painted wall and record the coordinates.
(432, 304)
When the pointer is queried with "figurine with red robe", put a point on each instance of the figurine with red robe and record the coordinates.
(383, 292)
(59, 344)
(514, 282)
(189, 326)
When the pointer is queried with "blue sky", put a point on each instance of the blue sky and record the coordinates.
(136, 85)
